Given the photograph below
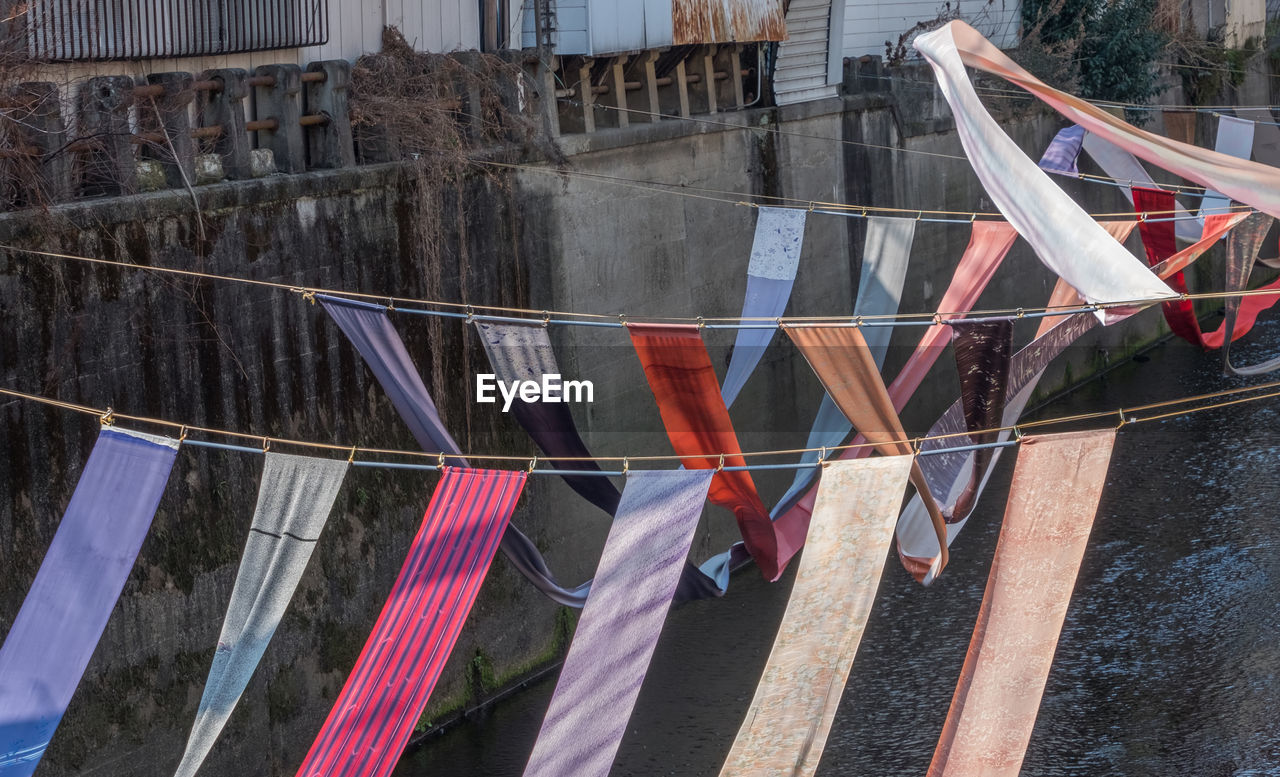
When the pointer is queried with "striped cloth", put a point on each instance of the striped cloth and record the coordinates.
(787, 723)
(375, 337)
(295, 496)
(48, 647)
(388, 688)
(1052, 501)
(620, 623)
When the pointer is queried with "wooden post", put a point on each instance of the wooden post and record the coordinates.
(682, 75)
(735, 60)
(709, 77)
(490, 12)
(588, 97)
(651, 80)
(620, 91)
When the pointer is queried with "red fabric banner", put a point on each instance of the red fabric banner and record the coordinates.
(683, 381)
(387, 690)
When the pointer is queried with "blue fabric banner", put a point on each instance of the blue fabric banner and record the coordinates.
(80, 579)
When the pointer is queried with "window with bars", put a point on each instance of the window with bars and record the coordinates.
(64, 30)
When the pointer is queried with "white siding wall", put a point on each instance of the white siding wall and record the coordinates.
(868, 23)
(803, 59)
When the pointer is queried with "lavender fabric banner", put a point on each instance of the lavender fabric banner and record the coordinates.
(1235, 137)
(775, 256)
(885, 256)
(1060, 157)
(524, 352)
(374, 336)
(47, 649)
(295, 496)
(620, 624)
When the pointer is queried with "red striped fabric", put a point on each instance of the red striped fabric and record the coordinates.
(388, 689)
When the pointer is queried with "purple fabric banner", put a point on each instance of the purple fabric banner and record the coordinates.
(374, 336)
(66, 610)
(1060, 157)
(620, 624)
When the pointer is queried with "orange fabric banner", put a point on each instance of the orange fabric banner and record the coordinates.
(1056, 487)
(843, 363)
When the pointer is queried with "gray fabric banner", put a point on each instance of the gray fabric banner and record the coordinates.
(295, 497)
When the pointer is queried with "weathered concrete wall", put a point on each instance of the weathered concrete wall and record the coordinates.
(265, 362)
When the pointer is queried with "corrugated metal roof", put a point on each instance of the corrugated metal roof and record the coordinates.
(720, 21)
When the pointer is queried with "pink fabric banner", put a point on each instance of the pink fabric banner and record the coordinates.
(1056, 487)
(1240, 179)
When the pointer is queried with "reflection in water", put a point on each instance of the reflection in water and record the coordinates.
(1168, 662)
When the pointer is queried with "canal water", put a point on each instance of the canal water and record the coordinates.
(1169, 661)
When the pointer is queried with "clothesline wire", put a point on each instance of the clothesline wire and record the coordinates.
(795, 203)
(109, 416)
(544, 317)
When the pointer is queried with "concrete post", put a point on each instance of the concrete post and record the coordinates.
(107, 165)
(281, 101)
(548, 102)
(225, 109)
(330, 144)
(170, 114)
(41, 115)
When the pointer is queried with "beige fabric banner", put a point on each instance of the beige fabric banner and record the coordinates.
(787, 724)
(1056, 487)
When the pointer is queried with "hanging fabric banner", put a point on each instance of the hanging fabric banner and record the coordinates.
(983, 352)
(1060, 157)
(374, 336)
(1235, 138)
(1242, 249)
(679, 372)
(989, 243)
(1056, 487)
(1158, 240)
(885, 256)
(948, 473)
(620, 623)
(1125, 167)
(839, 357)
(388, 688)
(1066, 239)
(1180, 125)
(62, 618)
(1063, 295)
(1242, 312)
(958, 44)
(523, 352)
(787, 724)
(775, 256)
(295, 497)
